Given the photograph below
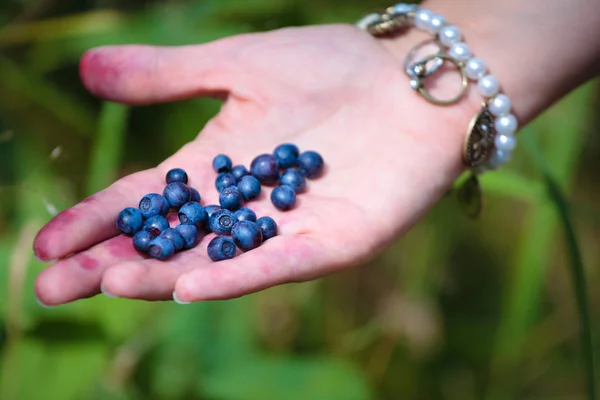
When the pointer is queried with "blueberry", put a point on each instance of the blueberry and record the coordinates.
(221, 222)
(177, 194)
(246, 235)
(221, 248)
(267, 226)
(283, 197)
(221, 163)
(177, 175)
(210, 209)
(141, 241)
(189, 233)
(161, 248)
(192, 213)
(265, 168)
(174, 235)
(286, 154)
(194, 195)
(294, 179)
(238, 171)
(155, 225)
(245, 214)
(231, 198)
(311, 164)
(250, 187)
(224, 179)
(129, 221)
(153, 204)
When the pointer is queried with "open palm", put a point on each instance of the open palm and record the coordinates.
(389, 157)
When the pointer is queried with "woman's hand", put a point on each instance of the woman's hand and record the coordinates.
(389, 157)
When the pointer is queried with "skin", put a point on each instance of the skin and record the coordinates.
(355, 93)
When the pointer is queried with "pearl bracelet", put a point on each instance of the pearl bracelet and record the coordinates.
(491, 137)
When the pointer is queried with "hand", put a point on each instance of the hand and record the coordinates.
(389, 157)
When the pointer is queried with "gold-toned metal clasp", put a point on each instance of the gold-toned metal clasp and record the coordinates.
(419, 73)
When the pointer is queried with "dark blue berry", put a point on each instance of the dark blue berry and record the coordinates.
(286, 154)
(141, 241)
(161, 248)
(221, 222)
(267, 226)
(265, 168)
(189, 234)
(194, 195)
(311, 164)
(177, 194)
(210, 209)
(238, 171)
(174, 235)
(231, 198)
(246, 235)
(177, 175)
(129, 221)
(153, 204)
(224, 179)
(250, 187)
(155, 225)
(221, 248)
(245, 214)
(283, 197)
(221, 163)
(192, 213)
(293, 178)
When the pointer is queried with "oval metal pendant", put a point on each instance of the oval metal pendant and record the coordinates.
(480, 138)
(470, 197)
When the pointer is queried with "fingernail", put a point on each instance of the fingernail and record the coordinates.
(177, 300)
(42, 304)
(106, 293)
(43, 261)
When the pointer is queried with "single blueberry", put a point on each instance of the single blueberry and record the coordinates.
(231, 198)
(238, 171)
(221, 163)
(265, 168)
(246, 235)
(286, 154)
(210, 209)
(189, 233)
(224, 179)
(283, 197)
(267, 226)
(177, 194)
(293, 178)
(161, 248)
(174, 235)
(192, 213)
(129, 221)
(141, 241)
(221, 222)
(177, 175)
(311, 164)
(221, 248)
(250, 187)
(245, 214)
(155, 225)
(194, 195)
(153, 204)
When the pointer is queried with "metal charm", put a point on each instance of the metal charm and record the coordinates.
(433, 65)
(479, 142)
(419, 73)
(389, 23)
(470, 198)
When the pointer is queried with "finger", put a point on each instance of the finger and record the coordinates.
(142, 74)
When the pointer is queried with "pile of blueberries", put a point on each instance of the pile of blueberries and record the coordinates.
(236, 226)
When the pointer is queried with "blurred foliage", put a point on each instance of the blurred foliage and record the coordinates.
(456, 309)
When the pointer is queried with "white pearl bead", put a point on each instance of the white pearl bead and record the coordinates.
(506, 125)
(436, 23)
(450, 34)
(488, 86)
(475, 68)
(403, 8)
(500, 105)
(422, 18)
(498, 158)
(505, 142)
(459, 51)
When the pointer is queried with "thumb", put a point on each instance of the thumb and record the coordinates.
(142, 74)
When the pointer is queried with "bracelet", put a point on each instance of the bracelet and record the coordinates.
(490, 140)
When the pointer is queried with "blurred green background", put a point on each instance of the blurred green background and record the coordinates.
(456, 309)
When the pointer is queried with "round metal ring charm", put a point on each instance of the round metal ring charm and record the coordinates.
(409, 63)
(419, 74)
